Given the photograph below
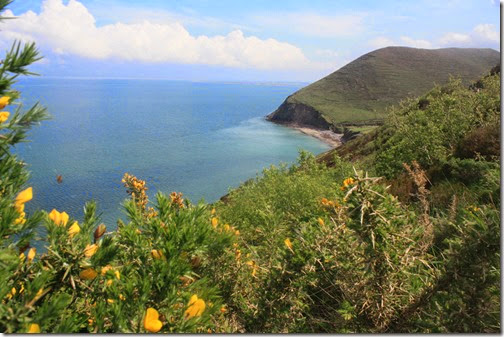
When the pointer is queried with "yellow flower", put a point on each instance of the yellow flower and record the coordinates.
(109, 282)
(22, 257)
(223, 309)
(24, 196)
(60, 219)
(321, 221)
(195, 308)
(4, 101)
(348, 181)
(34, 328)
(237, 232)
(117, 274)
(253, 264)
(288, 243)
(157, 254)
(74, 229)
(213, 211)
(19, 208)
(90, 250)
(105, 269)
(237, 254)
(151, 320)
(21, 219)
(215, 222)
(4, 115)
(109, 300)
(31, 254)
(88, 274)
(122, 298)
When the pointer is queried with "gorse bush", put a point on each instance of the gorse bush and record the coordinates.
(148, 276)
(430, 133)
(311, 247)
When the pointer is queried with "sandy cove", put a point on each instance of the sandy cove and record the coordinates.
(327, 136)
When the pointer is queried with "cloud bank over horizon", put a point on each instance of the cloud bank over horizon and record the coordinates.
(302, 42)
(72, 29)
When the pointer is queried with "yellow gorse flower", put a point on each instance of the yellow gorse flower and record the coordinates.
(4, 101)
(195, 308)
(105, 269)
(31, 254)
(121, 297)
(252, 264)
(34, 328)
(213, 211)
(90, 250)
(321, 221)
(288, 243)
(348, 181)
(24, 196)
(21, 219)
(88, 274)
(22, 257)
(215, 222)
(60, 219)
(4, 115)
(157, 254)
(151, 320)
(74, 229)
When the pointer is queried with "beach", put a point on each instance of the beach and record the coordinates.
(327, 136)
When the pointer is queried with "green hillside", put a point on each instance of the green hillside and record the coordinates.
(361, 90)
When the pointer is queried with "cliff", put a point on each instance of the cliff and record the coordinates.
(360, 92)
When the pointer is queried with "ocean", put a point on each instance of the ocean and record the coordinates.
(200, 139)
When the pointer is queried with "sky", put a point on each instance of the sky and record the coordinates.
(229, 40)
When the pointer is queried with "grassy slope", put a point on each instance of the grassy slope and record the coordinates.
(362, 89)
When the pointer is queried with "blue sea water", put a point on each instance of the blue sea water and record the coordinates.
(196, 138)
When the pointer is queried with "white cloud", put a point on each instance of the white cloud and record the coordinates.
(454, 39)
(381, 42)
(313, 24)
(71, 29)
(487, 32)
(483, 35)
(408, 41)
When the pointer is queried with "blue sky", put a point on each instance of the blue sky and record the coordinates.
(236, 40)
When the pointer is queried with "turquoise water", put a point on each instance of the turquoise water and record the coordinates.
(196, 138)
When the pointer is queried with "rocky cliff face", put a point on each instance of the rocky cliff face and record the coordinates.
(298, 114)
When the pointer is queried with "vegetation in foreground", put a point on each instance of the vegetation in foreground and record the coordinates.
(403, 238)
